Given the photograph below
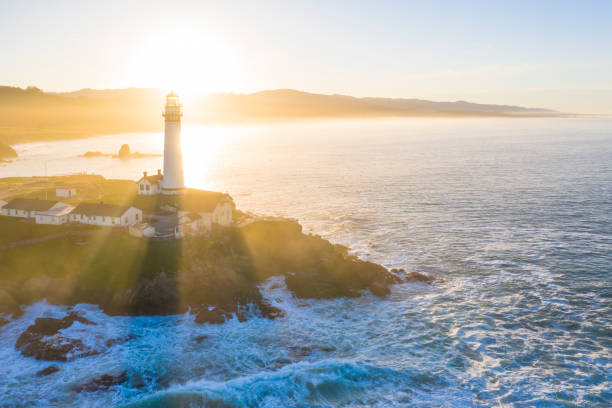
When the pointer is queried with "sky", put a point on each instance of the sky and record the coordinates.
(551, 54)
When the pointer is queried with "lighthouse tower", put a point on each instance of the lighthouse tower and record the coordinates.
(173, 182)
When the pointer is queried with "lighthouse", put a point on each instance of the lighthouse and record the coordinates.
(173, 181)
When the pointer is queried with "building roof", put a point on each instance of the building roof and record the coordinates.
(58, 212)
(197, 201)
(104, 210)
(29, 204)
(156, 178)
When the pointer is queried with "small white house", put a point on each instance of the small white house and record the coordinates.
(105, 215)
(65, 192)
(57, 216)
(150, 185)
(28, 208)
(217, 210)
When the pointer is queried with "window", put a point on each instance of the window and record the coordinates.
(148, 187)
(137, 216)
(142, 187)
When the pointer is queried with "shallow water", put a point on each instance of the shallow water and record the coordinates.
(513, 216)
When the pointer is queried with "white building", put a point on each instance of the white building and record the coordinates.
(150, 185)
(106, 215)
(203, 209)
(65, 192)
(56, 216)
(173, 180)
(28, 208)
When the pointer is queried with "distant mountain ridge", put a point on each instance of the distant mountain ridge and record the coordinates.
(31, 114)
(289, 101)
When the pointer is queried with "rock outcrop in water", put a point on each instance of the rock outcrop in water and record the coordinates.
(47, 371)
(7, 152)
(43, 341)
(103, 382)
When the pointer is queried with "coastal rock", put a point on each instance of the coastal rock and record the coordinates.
(270, 312)
(379, 289)
(299, 352)
(43, 341)
(212, 316)
(418, 277)
(312, 266)
(90, 155)
(124, 151)
(119, 340)
(7, 152)
(156, 295)
(103, 382)
(200, 339)
(47, 371)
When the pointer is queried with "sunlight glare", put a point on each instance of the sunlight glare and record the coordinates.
(203, 148)
(188, 61)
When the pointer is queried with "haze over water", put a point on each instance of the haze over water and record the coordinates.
(512, 216)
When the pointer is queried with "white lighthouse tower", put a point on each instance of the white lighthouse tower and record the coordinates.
(173, 181)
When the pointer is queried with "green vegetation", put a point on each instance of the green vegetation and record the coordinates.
(19, 229)
(127, 275)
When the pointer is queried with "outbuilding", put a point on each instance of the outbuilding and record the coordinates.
(108, 215)
(57, 216)
(65, 192)
(28, 207)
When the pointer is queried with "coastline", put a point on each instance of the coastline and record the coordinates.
(216, 276)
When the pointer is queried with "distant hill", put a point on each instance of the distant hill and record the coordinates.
(31, 114)
(288, 103)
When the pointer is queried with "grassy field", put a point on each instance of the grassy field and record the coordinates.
(106, 258)
(19, 229)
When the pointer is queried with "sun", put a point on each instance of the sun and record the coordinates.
(186, 60)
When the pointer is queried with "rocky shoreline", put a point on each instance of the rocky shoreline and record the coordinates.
(216, 278)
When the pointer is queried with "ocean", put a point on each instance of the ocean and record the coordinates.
(513, 217)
